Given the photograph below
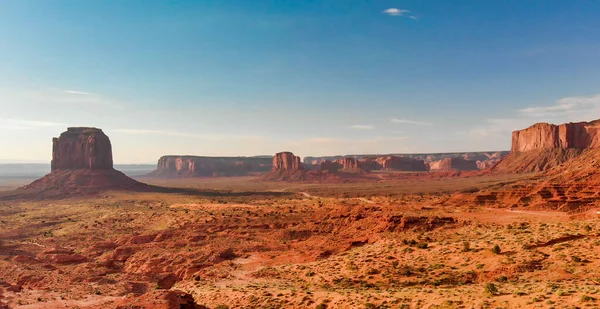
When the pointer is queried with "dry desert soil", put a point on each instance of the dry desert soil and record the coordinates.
(242, 243)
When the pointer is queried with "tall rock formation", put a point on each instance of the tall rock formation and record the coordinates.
(81, 163)
(196, 166)
(540, 136)
(81, 148)
(544, 146)
(287, 161)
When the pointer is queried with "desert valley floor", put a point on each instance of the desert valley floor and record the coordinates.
(241, 243)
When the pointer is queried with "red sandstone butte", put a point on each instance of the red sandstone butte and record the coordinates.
(540, 136)
(286, 161)
(82, 163)
(81, 148)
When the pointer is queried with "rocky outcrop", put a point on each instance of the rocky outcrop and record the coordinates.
(286, 161)
(543, 136)
(347, 163)
(196, 166)
(453, 164)
(327, 165)
(81, 148)
(401, 163)
(544, 146)
(82, 163)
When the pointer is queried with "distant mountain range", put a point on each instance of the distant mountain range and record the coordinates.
(27, 170)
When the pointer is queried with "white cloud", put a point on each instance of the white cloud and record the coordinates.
(564, 105)
(421, 123)
(395, 12)
(23, 124)
(34, 123)
(77, 92)
(568, 109)
(362, 127)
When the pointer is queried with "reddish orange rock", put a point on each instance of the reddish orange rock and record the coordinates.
(287, 161)
(347, 163)
(453, 164)
(82, 148)
(401, 163)
(544, 136)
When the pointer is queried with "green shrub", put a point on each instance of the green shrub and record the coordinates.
(490, 288)
(422, 245)
(496, 249)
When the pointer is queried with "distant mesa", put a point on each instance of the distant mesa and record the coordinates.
(81, 163)
(453, 164)
(197, 166)
(414, 162)
(544, 146)
(396, 163)
(287, 166)
(287, 161)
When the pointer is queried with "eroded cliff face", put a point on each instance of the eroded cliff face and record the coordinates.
(287, 161)
(81, 148)
(347, 163)
(545, 136)
(192, 166)
(401, 163)
(453, 164)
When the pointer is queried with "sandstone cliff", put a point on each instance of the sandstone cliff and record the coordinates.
(347, 163)
(453, 164)
(81, 148)
(542, 136)
(81, 163)
(193, 166)
(375, 162)
(401, 164)
(544, 146)
(286, 161)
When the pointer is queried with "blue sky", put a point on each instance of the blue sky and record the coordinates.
(314, 77)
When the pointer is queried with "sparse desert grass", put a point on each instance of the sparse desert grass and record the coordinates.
(293, 251)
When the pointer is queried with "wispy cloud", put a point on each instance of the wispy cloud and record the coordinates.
(420, 123)
(77, 92)
(24, 124)
(185, 134)
(35, 123)
(362, 127)
(395, 12)
(399, 12)
(565, 105)
(568, 109)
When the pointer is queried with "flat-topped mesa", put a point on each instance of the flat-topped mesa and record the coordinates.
(545, 136)
(82, 148)
(287, 161)
(192, 166)
(453, 164)
(401, 163)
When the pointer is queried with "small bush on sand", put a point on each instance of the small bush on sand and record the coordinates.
(496, 249)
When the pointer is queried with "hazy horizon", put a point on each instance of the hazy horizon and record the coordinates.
(245, 78)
